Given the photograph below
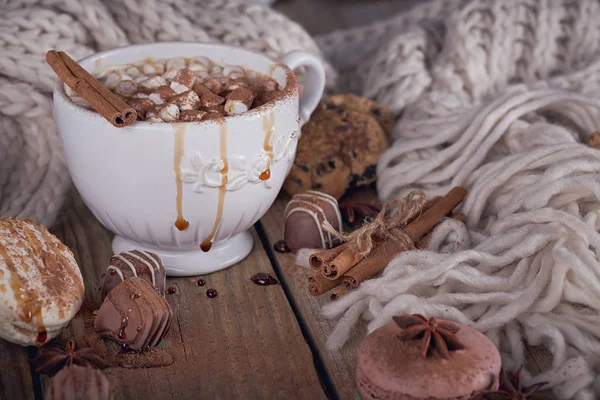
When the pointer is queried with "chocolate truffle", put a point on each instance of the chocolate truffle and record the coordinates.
(304, 216)
(134, 314)
(75, 382)
(41, 288)
(134, 263)
(392, 368)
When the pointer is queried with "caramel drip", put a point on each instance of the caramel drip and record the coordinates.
(207, 244)
(269, 127)
(180, 223)
(29, 306)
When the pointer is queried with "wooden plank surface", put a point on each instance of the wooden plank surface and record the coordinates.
(245, 343)
(15, 375)
(339, 366)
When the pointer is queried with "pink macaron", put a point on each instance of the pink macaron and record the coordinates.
(390, 368)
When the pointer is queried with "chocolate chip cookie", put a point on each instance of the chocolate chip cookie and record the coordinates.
(366, 106)
(338, 150)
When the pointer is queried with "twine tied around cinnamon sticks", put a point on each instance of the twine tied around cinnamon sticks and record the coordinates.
(402, 225)
(388, 224)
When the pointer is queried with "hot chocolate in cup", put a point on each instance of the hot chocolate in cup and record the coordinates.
(188, 191)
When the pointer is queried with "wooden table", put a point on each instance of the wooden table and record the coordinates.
(250, 342)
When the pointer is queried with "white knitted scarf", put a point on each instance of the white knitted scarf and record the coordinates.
(33, 174)
(497, 96)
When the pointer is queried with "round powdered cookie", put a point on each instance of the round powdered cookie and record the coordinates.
(365, 106)
(338, 149)
(41, 288)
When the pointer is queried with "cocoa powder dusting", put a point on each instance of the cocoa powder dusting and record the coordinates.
(152, 358)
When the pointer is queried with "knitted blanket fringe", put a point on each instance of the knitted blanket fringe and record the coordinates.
(499, 97)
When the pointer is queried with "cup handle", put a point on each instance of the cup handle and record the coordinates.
(314, 85)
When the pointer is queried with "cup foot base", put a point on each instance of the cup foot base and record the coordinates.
(195, 262)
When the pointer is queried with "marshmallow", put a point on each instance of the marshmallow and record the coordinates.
(239, 101)
(233, 72)
(183, 80)
(216, 71)
(150, 67)
(167, 112)
(170, 74)
(133, 72)
(185, 101)
(114, 78)
(140, 95)
(200, 64)
(207, 98)
(160, 95)
(126, 88)
(142, 106)
(192, 115)
(140, 79)
(176, 63)
(41, 288)
(153, 83)
(214, 85)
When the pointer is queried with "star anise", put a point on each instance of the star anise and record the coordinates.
(435, 334)
(51, 360)
(355, 213)
(510, 389)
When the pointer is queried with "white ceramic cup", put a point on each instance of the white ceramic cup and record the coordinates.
(141, 179)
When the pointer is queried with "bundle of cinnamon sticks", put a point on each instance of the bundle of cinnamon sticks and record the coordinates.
(347, 266)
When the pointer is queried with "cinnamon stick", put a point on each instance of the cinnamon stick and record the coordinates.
(345, 261)
(338, 292)
(116, 111)
(460, 217)
(341, 264)
(381, 255)
(318, 284)
(317, 260)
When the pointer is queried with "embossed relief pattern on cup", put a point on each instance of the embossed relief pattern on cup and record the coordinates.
(242, 170)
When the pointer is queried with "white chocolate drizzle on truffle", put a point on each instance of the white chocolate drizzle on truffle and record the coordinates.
(151, 268)
(305, 203)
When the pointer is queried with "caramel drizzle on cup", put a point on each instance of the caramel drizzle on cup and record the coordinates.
(207, 244)
(180, 223)
(269, 127)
